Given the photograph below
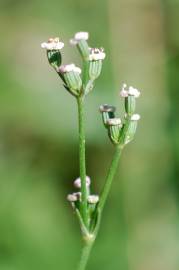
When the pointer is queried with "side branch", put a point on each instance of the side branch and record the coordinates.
(109, 178)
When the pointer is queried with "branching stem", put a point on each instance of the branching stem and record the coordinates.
(111, 173)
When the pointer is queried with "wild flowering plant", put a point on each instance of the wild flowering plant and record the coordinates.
(89, 207)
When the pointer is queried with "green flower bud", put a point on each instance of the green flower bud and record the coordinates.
(83, 49)
(71, 76)
(130, 104)
(80, 40)
(73, 81)
(129, 129)
(114, 129)
(54, 58)
(95, 68)
(53, 47)
(108, 112)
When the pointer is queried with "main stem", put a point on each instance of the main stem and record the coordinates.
(82, 160)
(85, 255)
(109, 178)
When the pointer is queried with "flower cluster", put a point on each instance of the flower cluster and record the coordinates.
(71, 74)
(76, 196)
(122, 133)
(79, 82)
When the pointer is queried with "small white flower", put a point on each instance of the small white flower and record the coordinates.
(52, 44)
(74, 197)
(96, 54)
(79, 36)
(114, 122)
(82, 35)
(93, 199)
(134, 92)
(69, 68)
(77, 182)
(135, 117)
(129, 92)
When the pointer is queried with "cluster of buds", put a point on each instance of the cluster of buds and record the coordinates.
(75, 198)
(122, 133)
(70, 74)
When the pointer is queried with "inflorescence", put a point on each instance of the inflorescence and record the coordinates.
(79, 82)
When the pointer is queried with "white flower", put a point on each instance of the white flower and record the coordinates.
(74, 197)
(69, 68)
(52, 44)
(134, 92)
(82, 35)
(93, 199)
(96, 54)
(77, 182)
(129, 92)
(79, 36)
(135, 117)
(114, 122)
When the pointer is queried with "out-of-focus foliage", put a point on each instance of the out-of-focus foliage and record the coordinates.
(39, 142)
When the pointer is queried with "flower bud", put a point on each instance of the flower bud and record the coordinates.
(72, 197)
(80, 40)
(114, 128)
(129, 129)
(130, 105)
(95, 68)
(71, 76)
(54, 58)
(53, 47)
(93, 199)
(130, 96)
(107, 113)
(77, 182)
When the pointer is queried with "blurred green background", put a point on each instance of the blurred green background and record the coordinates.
(39, 140)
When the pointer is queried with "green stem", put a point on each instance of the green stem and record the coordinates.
(82, 161)
(111, 173)
(85, 255)
(110, 176)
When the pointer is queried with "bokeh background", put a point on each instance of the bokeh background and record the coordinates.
(39, 140)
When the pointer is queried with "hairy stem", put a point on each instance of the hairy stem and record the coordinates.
(109, 178)
(85, 255)
(82, 161)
